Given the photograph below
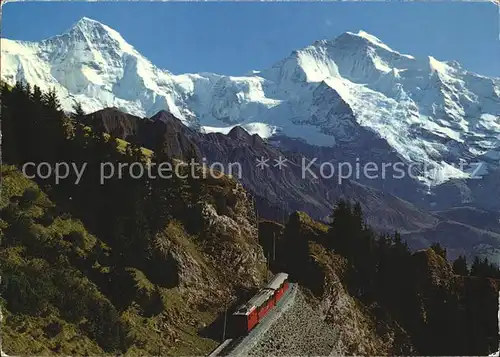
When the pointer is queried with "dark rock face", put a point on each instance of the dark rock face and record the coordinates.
(475, 217)
(482, 191)
(114, 122)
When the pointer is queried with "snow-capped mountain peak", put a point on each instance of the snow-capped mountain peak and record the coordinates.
(96, 33)
(372, 40)
(86, 23)
(327, 93)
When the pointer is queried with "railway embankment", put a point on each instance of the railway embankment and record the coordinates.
(245, 345)
(300, 330)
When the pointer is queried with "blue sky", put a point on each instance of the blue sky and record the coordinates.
(234, 38)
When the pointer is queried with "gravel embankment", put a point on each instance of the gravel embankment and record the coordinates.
(300, 330)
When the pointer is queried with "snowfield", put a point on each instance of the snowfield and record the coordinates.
(262, 129)
(428, 111)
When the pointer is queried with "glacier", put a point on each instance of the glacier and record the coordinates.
(430, 112)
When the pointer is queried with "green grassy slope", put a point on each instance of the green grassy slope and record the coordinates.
(54, 275)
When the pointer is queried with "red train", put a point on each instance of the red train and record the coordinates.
(248, 315)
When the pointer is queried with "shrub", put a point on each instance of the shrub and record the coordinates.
(77, 238)
(47, 218)
(30, 196)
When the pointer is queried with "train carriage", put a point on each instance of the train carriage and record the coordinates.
(248, 315)
(279, 283)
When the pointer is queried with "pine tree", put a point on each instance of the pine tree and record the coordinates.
(357, 213)
(50, 100)
(27, 89)
(5, 88)
(439, 249)
(18, 110)
(476, 267)
(10, 152)
(339, 233)
(54, 128)
(79, 113)
(484, 268)
(18, 88)
(383, 268)
(460, 266)
(36, 96)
